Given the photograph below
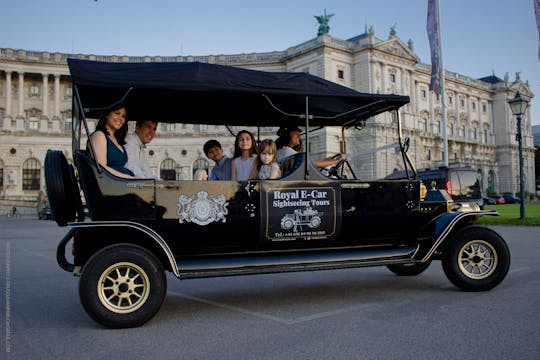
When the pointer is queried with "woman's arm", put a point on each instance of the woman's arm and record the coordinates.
(253, 174)
(330, 161)
(233, 169)
(100, 148)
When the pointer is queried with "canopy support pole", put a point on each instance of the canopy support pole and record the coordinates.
(82, 116)
(306, 176)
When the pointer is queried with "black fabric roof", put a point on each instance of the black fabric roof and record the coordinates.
(222, 95)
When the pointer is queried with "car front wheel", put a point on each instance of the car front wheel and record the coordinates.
(122, 286)
(476, 259)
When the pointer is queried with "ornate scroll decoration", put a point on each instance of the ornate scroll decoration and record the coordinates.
(202, 209)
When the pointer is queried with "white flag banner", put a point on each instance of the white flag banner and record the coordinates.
(537, 13)
(432, 28)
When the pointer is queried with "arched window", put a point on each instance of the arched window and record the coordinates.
(1, 174)
(167, 170)
(437, 127)
(33, 123)
(450, 130)
(481, 177)
(491, 182)
(31, 175)
(423, 122)
(461, 131)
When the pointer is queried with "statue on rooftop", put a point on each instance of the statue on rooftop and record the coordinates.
(393, 31)
(323, 23)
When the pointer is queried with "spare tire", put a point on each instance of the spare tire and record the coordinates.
(61, 187)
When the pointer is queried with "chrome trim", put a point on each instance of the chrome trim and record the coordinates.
(141, 185)
(355, 186)
(145, 229)
(449, 228)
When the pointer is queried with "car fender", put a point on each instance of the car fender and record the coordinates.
(151, 235)
(440, 229)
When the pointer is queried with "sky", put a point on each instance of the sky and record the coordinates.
(479, 37)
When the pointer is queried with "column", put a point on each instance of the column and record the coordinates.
(20, 85)
(56, 95)
(8, 94)
(383, 78)
(403, 89)
(413, 92)
(45, 94)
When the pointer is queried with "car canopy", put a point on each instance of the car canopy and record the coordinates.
(194, 92)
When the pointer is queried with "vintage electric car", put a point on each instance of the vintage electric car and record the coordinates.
(306, 220)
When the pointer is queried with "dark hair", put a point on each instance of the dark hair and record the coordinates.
(284, 135)
(140, 122)
(210, 144)
(253, 150)
(120, 134)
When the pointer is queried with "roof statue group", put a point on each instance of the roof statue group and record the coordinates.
(323, 23)
(324, 28)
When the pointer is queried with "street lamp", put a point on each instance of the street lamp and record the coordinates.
(518, 105)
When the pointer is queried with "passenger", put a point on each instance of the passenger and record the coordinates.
(214, 151)
(136, 142)
(245, 151)
(108, 141)
(289, 139)
(265, 165)
(200, 174)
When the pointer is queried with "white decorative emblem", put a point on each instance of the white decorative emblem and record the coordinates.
(202, 209)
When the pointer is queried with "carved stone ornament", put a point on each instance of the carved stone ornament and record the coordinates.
(202, 209)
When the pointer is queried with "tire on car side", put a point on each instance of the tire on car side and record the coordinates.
(61, 188)
(122, 286)
(476, 259)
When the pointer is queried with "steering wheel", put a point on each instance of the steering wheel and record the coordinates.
(336, 170)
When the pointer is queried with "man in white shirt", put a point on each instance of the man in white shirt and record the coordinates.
(144, 133)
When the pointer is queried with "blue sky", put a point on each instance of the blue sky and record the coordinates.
(478, 36)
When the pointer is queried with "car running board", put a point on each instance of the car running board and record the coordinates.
(224, 266)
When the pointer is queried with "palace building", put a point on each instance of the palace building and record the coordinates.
(36, 98)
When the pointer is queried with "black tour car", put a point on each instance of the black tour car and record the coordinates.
(309, 219)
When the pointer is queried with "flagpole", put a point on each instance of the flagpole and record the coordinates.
(436, 84)
(443, 93)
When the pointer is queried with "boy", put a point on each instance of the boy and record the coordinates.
(214, 151)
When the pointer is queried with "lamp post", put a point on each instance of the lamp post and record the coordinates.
(518, 105)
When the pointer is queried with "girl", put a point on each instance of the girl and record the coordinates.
(108, 141)
(265, 165)
(245, 150)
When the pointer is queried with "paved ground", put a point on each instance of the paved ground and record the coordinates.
(366, 313)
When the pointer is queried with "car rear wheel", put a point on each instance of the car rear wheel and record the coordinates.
(122, 286)
(410, 269)
(476, 259)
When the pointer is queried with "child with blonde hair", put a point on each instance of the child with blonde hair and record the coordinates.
(265, 165)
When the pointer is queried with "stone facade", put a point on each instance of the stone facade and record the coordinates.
(36, 96)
